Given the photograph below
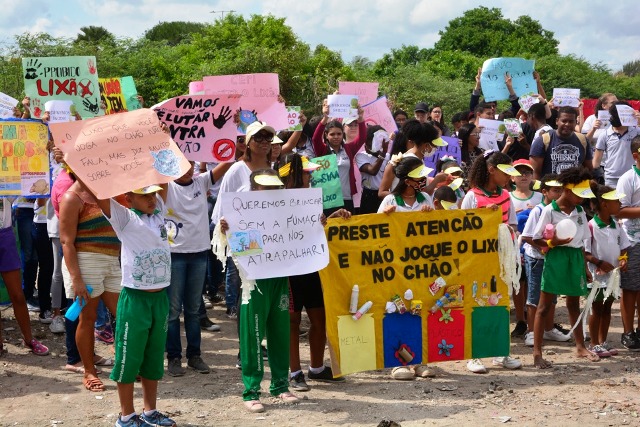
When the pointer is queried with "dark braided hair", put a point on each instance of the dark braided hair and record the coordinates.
(479, 172)
(294, 179)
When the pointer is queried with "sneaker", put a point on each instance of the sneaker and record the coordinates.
(297, 382)
(157, 419)
(216, 299)
(207, 303)
(561, 328)
(174, 368)
(326, 376)
(57, 325)
(207, 325)
(555, 335)
(476, 366)
(135, 421)
(46, 317)
(238, 364)
(611, 349)
(33, 306)
(103, 335)
(196, 363)
(528, 339)
(37, 347)
(232, 313)
(507, 362)
(630, 341)
(520, 329)
(599, 350)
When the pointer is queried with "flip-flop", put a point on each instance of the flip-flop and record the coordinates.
(592, 357)
(102, 361)
(93, 384)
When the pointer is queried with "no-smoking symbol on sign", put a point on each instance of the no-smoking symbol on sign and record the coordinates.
(224, 150)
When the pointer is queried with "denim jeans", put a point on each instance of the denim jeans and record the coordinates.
(44, 256)
(73, 356)
(24, 221)
(103, 316)
(232, 284)
(187, 276)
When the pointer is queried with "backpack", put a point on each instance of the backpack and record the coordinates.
(546, 140)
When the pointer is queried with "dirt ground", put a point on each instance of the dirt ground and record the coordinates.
(36, 391)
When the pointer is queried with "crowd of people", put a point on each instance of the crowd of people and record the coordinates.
(140, 261)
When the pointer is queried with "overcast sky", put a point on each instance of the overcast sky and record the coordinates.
(600, 31)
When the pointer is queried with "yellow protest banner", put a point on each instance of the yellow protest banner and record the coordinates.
(111, 95)
(24, 159)
(429, 289)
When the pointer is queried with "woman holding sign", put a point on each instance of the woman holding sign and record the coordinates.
(329, 139)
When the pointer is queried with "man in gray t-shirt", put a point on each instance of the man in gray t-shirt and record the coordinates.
(564, 151)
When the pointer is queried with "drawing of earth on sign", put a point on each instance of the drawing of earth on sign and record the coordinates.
(246, 118)
(166, 162)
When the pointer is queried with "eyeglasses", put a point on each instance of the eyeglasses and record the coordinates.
(475, 134)
(263, 138)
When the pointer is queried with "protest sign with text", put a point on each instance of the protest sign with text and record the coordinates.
(7, 104)
(121, 152)
(112, 96)
(202, 125)
(457, 307)
(366, 92)
(343, 106)
(130, 93)
(627, 115)
(489, 130)
(276, 233)
(294, 118)
(605, 118)
(527, 100)
(60, 111)
(73, 78)
(260, 97)
(493, 74)
(512, 127)
(378, 113)
(327, 178)
(24, 161)
(566, 97)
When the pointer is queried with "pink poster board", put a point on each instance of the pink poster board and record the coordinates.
(202, 125)
(120, 152)
(366, 92)
(260, 97)
(196, 88)
(378, 113)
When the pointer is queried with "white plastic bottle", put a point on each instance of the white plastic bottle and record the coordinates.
(355, 293)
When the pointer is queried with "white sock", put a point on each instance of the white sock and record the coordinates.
(149, 413)
(126, 418)
(293, 374)
(316, 370)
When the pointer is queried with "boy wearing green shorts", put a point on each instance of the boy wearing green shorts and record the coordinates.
(143, 307)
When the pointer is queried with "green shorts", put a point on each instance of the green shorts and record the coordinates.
(564, 272)
(141, 335)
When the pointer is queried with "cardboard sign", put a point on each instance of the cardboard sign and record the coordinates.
(201, 125)
(276, 233)
(566, 97)
(24, 159)
(121, 152)
(343, 106)
(627, 115)
(489, 130)
(60, 111)
(130, 93)
(366, 92)
(294, 118)
(7, 104)
(112, 96)
(527, 100)
(259, 97)
(378, 113)
(327, 178)
(493, 74)
(448, 259)
(453, 150)
(73, 78)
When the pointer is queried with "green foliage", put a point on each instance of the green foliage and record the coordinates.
(454, 65)
(174, 32)
(406, 55)
(569, 71)
(485, 33)
(95, 35)
(632, 68)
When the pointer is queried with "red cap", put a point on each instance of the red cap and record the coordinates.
(522, 162)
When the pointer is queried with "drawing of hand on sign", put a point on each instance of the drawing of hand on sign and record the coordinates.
(32, 68)
(91, 106)
(223, 117)
(91, 66)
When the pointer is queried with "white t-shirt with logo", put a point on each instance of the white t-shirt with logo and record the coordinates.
(187, 218)
(146, 258)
